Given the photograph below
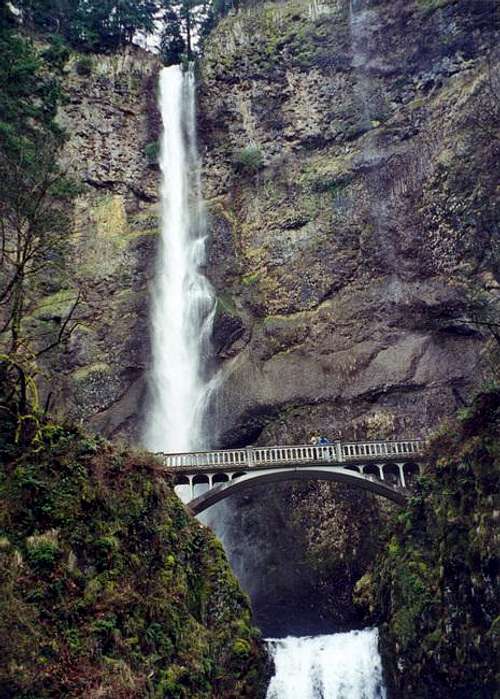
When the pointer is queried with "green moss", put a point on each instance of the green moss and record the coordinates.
(250, 279)
(435, 584)
(241, 648)
(85, 372)
(226, 305)
(106, 582)
(429, 6)
(152, 151)
(58, 304)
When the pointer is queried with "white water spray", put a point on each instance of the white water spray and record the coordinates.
(340, 666)
(183, 302)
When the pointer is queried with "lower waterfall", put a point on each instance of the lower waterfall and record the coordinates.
(337, 666)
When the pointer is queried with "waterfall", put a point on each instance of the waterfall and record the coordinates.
(183, 302)
(340, 666)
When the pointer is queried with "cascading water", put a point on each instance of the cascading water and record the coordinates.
(340, 666)
(183, 302)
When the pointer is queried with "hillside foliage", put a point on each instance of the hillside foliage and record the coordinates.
(435, 587)
(180, 26)
(35, 192)
(108, 587)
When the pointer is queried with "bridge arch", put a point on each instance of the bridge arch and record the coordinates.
(245, 481)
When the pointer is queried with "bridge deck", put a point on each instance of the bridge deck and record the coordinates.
(341, 453)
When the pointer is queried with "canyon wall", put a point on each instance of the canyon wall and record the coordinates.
(112, 123)
(348, 171)
(349, 152)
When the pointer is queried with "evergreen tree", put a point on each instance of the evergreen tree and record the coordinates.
(186, 24)
(172, 44)
(91, 24)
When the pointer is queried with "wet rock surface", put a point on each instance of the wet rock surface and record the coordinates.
(110, 116)
(435, 588)
(348, 156)
(358, 249)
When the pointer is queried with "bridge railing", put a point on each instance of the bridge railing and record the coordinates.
(354, 450)
(255, 457)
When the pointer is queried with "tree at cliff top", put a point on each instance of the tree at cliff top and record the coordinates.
(108, 587)
(107, 25)
(186, 24)
(34, 193)
(436, 585)
(90, 24)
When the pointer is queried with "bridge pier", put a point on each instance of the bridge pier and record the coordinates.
(401, 468)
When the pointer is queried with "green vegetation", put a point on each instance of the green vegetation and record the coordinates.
(107, 25)
(435, 584)
(248, 161)
(152, 152)
(108, 587)
(84, 66)
(34, 198)
(429, 6)
(90, 24)
(186, 25)
(332, 186)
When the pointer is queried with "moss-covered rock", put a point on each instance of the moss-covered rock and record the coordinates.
(435, 586)
(108, 586)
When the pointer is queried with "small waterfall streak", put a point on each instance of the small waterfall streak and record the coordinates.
(183, 303)
(338, 666)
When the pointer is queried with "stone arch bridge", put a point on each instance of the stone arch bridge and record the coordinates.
(387, 468)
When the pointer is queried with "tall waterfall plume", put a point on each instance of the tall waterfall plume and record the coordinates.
(338, 666)
(183, 302)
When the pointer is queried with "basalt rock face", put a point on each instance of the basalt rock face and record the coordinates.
(299, 552)
(348, 152)
(112, 124)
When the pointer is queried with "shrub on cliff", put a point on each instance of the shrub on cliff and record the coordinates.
(108, 587)
(152, 152)
(248, 161)
(435, 584)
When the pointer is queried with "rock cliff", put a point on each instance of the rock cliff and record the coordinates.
(348, 168)
(348, 172)
(349, 149)
(435, 585)
(112, 124)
